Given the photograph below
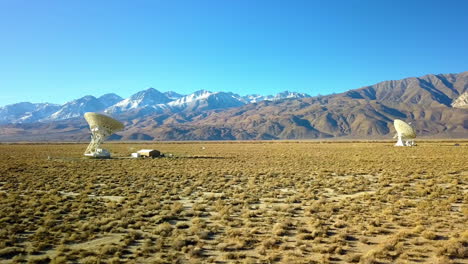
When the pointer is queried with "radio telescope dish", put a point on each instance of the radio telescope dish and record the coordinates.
(101, 127)
(405, 133)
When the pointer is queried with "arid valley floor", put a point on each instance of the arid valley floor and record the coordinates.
(236, 202)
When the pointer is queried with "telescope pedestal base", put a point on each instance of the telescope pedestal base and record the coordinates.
(406, 143)
(100, 154)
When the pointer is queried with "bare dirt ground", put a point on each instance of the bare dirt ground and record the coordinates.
(236, 202)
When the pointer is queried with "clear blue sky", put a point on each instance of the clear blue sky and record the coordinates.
(55, 51)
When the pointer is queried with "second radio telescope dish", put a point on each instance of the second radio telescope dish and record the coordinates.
(405, 133)
(102, 127)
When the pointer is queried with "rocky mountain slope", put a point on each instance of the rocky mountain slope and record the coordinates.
(435, 104)
(461, 101)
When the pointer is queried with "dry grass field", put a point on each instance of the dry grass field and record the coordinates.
(243, 202)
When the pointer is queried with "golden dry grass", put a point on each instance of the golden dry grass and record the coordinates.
(247, 202)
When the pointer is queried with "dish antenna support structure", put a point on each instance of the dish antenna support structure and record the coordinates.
(101, 127)
(405, 133)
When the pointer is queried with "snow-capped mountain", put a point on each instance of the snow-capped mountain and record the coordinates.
(255, 98)
(173, 95)
(206, 100)
(11, 113)
(109, 99)
(146, 102)
(26, 112)
(289, 95)
(150, 98)
(42, 111)
(77, 108)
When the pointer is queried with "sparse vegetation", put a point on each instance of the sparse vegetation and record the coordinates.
(235, 202)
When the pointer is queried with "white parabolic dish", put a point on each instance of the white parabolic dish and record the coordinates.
(98, 120)
(405, 133)
(101, 127)
(404, 130)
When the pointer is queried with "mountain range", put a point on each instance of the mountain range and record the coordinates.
(142, 103)
(437, 106)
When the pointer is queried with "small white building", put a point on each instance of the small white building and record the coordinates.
(149, 153)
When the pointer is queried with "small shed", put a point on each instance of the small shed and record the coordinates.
(149, 153)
